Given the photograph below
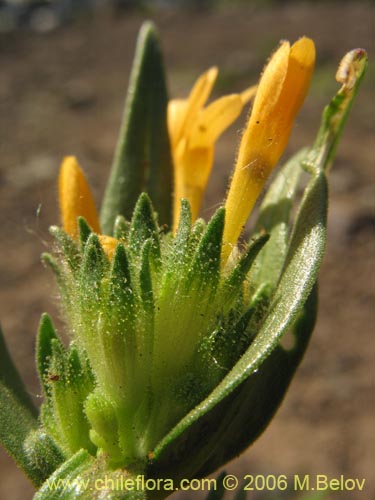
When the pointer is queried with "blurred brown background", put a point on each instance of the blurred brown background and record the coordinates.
(62, 93)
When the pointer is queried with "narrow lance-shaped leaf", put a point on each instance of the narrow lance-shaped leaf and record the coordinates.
(74, 469)
(350, 73)
(67, 389)
(121, 228)
(207, 260)
(274, 217)
(94, 264)
(43, 454)
(79, 385)
(56, 268)
(46, 334)
(183, 232)
(181, 251)
(67, 246)
(147, 295)
(121, 292)
(145, 279)
(142, 159)
(144, 226)
(239, 273)
(18, 416)
(84, 231)
(16, 422)
(10, 377)
(117, 325)
(87, 476)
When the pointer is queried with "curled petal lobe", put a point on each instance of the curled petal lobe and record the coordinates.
(176, 115)
(75, 198)
(214, 119)
(198, 97)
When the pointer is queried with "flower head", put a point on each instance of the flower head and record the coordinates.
(167, 343)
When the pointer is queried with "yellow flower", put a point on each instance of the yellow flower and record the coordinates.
(281, 92)
(77, 200)
(193, 131)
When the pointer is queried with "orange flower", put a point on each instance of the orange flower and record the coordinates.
(281, 92)
(76, 200)
(193, 131)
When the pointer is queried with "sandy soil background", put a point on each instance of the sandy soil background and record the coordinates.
(62, 93)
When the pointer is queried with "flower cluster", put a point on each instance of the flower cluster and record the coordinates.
(193, 131)
(175, 329)
(162, 319)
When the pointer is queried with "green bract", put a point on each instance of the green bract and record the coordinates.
(159, 325)
(174, 364)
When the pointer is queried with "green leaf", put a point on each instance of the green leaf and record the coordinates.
(46, 333)
(69, 387)
(274, 218)
(142, 159)
(83, 477)
(239, 273)
(18, 415)
(121, 228)
(56, 268)
(84, 231)
(351, 72)
(252, 406)
(104, 424)
(144, 227)
(43, 454)
(16, 422)
(121, 292)
(67, 246)
(145, 279)
(207, 260)
(298, 277)
(68, 482)
(94, 266)
(147, 295)
(181, 239)
(10, 377)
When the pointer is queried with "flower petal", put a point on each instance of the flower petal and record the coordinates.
(213, 120)
(176, 116)
(196, 100)
(191, 177)
(75, 198)
(280, 94)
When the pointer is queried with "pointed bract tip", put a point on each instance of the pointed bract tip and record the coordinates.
(148, 33)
